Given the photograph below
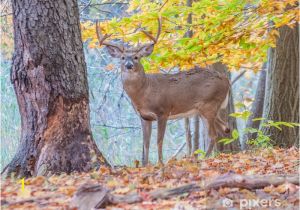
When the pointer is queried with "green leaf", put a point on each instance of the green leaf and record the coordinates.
(228, 142)
(235, 134)
(224, 140)
(287, 124)
(243, 115)
(199, 151)
(183, 41)
(239, 105)
(251, 130)
(296, 124)
(258, 119)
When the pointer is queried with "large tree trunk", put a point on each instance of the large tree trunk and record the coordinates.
(257, 107)
(282, 87)
(50, 81)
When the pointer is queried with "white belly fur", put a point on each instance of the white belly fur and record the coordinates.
(190, 113)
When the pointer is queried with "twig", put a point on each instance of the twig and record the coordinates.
(163, 5)
(107, 3)
(85, 6)
(117, 127)
(6, 14)
(178, 150)
(238, 77)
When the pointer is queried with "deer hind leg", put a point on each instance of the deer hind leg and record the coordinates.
(147, 127)
(161, 128)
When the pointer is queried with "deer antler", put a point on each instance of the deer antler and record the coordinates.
(154, 39)
(102, 38)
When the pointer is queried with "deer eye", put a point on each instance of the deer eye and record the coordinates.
(136, 57)
(123, 57)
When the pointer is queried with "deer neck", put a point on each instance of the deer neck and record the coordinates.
(134, 83)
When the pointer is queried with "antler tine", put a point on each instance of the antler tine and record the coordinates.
(154, 39)
(102, 38)
(159, 28)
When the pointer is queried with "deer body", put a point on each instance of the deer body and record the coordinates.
(177, 95)
(160, 97)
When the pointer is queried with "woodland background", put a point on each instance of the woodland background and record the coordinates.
(115, 125)
(255, 42)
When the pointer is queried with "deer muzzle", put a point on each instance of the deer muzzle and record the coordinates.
(129, 65)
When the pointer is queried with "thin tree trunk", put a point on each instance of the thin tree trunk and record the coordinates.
(282, 87)
(50, 80)
(203, 135)
(188, 136)
(196, 134)
(257, 107)
(189, 33)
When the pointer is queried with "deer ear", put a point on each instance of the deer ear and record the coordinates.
(146, 50)
(114, 51)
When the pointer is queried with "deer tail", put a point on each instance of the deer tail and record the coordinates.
(225, 102)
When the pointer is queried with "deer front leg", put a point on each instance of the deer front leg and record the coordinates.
(212, 134)
(161, 128)
(147, 127)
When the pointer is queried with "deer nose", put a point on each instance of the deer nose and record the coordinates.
(129, 66)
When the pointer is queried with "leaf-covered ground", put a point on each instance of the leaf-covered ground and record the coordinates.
(56, 192)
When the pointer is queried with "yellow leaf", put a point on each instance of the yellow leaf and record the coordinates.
(123, 190)
(110, 67)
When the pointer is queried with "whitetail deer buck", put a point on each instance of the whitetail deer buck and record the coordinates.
(160, 97)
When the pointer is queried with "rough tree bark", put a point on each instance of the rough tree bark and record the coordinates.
(50, 80)
(257, 106)
(282, 86)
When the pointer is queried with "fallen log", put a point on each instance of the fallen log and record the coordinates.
(251, 182)
(97, 196)
(30, 200)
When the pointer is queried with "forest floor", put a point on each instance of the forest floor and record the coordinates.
(57, 192)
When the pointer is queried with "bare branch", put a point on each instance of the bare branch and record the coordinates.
(238, 77)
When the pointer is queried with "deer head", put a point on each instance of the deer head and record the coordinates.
(129, 57)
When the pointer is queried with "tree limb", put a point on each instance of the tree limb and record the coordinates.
(238, 77)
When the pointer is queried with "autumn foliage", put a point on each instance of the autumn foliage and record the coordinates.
(237, 32)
